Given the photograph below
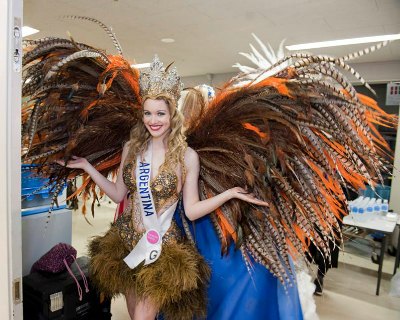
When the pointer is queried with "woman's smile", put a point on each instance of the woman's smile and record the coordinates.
(155, 127)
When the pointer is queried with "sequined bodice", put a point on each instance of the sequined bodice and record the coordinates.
(164, 187)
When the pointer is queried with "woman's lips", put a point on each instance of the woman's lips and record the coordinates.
(155, 128)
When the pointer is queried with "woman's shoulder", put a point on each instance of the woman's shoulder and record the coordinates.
(191, 157)
(190, 153)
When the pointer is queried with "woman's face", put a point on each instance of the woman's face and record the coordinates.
(156, 117)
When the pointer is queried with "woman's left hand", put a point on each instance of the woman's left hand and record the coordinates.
(242, 194)
(75, 163)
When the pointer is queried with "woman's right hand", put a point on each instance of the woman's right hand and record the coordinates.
(115, 190)
(75, 163)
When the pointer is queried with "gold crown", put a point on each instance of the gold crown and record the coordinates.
(160, 81)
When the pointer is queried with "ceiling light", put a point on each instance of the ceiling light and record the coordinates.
(167, 40)
(27, 31)
(140, 65)
(343, 42)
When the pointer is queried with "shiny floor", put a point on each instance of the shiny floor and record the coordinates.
(349, 291)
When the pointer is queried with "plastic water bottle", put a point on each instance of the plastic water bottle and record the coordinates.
(362, 209)
(385, 207)
(355, 206)
(351, 205)
(370, 209)
(378, 207)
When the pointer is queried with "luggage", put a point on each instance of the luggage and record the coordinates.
(55, 296)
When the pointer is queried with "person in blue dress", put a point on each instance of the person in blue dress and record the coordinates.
(234, 292)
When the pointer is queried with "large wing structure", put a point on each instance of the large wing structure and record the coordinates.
(295, 139)
(78, 101)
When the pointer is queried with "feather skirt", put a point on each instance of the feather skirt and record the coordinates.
(176, 283)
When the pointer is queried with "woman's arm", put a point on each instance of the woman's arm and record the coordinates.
(116, 191)
(194, 208)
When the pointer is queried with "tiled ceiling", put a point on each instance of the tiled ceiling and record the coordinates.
(210, 33)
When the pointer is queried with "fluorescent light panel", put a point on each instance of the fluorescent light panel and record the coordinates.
(167, 40)
(27, 31)
(140, 65)
(343, 42)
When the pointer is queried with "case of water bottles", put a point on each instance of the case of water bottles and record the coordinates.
(366, 208)
(371, 203)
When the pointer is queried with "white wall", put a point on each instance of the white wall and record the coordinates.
(373, 72)
(379, 71)
(214, 80)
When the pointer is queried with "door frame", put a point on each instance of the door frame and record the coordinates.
(10, 159)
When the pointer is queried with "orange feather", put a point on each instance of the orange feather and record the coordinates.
(257, 130)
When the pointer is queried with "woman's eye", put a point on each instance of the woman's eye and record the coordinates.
(161, 114)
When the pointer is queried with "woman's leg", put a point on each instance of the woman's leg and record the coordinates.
(131, 304)
(145, 310)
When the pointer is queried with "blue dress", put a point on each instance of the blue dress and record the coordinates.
(234, 293)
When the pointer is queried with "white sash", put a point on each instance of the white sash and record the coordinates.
(148, 249)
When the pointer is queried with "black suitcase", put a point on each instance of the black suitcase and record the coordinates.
(55, 296)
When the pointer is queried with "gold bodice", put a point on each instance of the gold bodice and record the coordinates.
(164, 187)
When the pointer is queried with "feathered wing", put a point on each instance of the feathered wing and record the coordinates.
(295, 139)
(78, 102)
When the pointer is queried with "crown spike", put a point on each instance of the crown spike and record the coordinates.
(160, 81)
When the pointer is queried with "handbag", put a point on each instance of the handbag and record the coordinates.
(59, 259)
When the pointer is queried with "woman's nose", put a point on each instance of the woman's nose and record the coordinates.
(153, 119)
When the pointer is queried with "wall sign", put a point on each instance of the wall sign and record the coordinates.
(393, 94)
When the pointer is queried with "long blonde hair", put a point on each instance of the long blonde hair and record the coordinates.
(192, 107)
(176, 141)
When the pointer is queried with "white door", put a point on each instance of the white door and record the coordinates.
(10, 128)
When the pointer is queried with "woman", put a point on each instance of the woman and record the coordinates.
(234, 291)
(174, 276)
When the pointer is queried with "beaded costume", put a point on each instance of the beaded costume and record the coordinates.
(176, 283)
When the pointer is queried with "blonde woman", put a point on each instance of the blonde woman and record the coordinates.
(144, 254)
